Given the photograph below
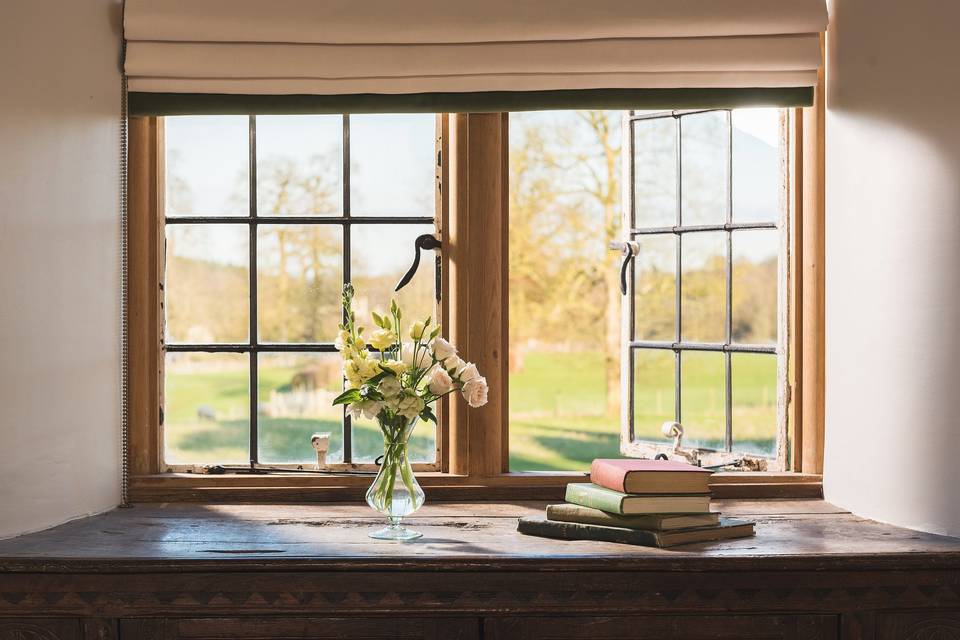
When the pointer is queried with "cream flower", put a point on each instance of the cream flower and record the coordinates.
(416, 331)
(361, 368)
(342, 340)
(453, 363)
(475, 392)
(381, 339)
(440, 381)
(390, 387)
(442, 349)
(394, 366)
(423, 357)
(366, 408)
(410, 405)
(468, 372)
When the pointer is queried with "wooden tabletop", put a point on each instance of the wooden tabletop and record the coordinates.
(807, 534)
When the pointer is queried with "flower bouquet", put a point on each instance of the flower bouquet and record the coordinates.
(397, 383)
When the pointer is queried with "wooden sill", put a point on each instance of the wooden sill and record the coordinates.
(299, 487)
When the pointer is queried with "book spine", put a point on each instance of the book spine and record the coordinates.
(608, 476)
(588, 496)
(576, 513)
(575, 531)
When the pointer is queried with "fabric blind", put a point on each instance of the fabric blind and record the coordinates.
(186, 56)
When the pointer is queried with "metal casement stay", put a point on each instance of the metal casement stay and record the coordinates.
(719, 347)
(701, 228)
(253, 346)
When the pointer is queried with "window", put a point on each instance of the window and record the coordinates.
(266, 218)
(704, 344)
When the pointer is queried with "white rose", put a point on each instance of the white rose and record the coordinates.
(342, 340)
(440, 381)
(366, 408)
(475, 392)
(410, 405)
(468, 372)
(390, 387)
(381, 339)
(416, 331)
(453, 363)
(394, 366)
(423, 357)
(442, 349)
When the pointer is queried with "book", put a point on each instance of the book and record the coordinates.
(649, 476)
(590, 495)
(653, 521)
(726, 529)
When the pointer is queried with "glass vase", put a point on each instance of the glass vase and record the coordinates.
(395, 492)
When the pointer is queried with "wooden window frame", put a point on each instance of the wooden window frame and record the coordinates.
(472, 220)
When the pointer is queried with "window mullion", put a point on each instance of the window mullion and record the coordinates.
(347, 421)
(727, 356)
(677, 391)
(252, 241)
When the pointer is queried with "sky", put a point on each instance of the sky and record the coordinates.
(392, 160)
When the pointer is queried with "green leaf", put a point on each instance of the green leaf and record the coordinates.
(375, 379)
(435, 332)
(347, 397)
(428, 414)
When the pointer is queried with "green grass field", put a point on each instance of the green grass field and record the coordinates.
(556, 411)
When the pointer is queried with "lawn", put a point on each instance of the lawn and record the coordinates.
(556, 411)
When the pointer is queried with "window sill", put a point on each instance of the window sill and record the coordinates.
(533, 485)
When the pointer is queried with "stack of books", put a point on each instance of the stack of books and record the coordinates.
(655, 503)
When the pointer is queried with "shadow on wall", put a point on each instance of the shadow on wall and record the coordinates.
(893, 262)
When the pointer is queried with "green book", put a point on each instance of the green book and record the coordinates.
(590, 495)
(577, 531)
(653, 521)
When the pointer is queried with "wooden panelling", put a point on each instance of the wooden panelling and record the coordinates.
(687, 627)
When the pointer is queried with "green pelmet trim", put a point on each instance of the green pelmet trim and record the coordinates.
(175, 104)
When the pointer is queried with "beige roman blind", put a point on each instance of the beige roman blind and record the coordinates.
(197, 56)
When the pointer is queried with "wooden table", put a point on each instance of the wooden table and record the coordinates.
(169, 571)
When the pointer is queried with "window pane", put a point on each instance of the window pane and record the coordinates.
(381, 254)
(300, 165)
(704, 141)
(704, 287)
(207, 165)
(654, 399)
(703, 399)
(655, 288)
(755, 286)
(655, 172)
(299, 280)
(295, 392)
(756, 165)
(207, 284)
(206, 408)
(393, 164)
(754, 403)
(564, 289)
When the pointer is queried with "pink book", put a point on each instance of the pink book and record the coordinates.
(649, 476)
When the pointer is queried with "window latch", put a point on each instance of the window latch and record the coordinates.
(629, 249)
(425, 242)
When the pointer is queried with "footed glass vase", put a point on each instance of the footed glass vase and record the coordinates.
(395, 492)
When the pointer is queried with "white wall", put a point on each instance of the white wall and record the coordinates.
(59, 186)
(893, 262)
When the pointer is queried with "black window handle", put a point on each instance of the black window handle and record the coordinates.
(426, 242)
(630, 251)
